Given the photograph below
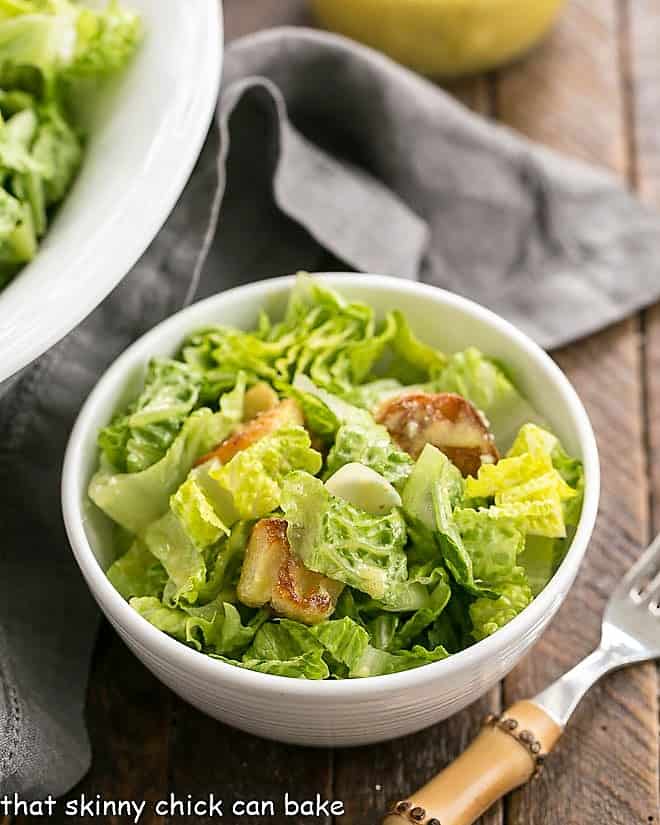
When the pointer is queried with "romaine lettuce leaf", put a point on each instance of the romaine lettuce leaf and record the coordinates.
(453, 627)
(358, 438)
(286, 648)
(106, 39)
(489, 615)
(218, 627)
(434, 488)
(377, 662)
(344, 641)
(341, 643)
(137, 572)
(192, 507)
(416, 624)
(138, 438)
(64, 36)
(57, 150)
(254, 476)
(184, 561)
(334, 538)
(535, 440)
(414, 361)
(418, 591)
(223, 565)
(319, 418)
(372, 446)
(518, 478)
(533, 517)
(170, 620)
(382, 629)
(310, 665)
(282, 640)
(493, 545)
(215, 628)
(527, 487)
(135, 500)
(540, 559)
(484, 383)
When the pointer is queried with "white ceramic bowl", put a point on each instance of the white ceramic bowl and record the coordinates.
(145, 134)
(348, 712)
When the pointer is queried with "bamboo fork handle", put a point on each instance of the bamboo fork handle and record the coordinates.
(507, 753)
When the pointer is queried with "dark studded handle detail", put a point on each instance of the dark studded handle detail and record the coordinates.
(508, 752)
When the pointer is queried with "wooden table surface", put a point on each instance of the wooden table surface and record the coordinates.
(593, 91)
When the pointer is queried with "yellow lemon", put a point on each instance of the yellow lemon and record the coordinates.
(442, 37)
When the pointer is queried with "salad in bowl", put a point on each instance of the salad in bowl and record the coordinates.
(51, 51)
(327, 496)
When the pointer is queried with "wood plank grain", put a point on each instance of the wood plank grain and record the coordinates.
(643, 24)
(368, 779)
(477, 93)
(570, 95)
(128, 714)
(644, 31)
(246, 16)
(567, 94)
(210, 757)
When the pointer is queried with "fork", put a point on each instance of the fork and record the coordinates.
(512, 748)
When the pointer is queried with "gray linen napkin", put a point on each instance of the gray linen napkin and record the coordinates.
(331, 156)
(336, 148)
(48, 619)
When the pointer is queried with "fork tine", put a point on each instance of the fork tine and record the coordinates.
(646, 568)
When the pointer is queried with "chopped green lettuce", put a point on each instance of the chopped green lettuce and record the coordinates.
(492, 544)
(139, 437)
(430, 562)
(223, 565)
(183, 560)
(526, 486)
(341, 648)
(487, 386)
(334, 538)
(254, 476)
(286, 648)
(540, 559)
(535, 440)
(434, 488)
(420, 620)
(372, 446)
(215, 628)
(134, 500)
(377, 662)
(489, 615)
(414, 361)
(195, 509)
(137, 572)
(357, 437)
(49, 50)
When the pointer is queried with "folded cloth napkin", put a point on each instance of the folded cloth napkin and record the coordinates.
(331, 146)
(331, 156)
(48, 619)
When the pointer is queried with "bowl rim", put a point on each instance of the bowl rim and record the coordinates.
(204, 667)
(136, 237)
